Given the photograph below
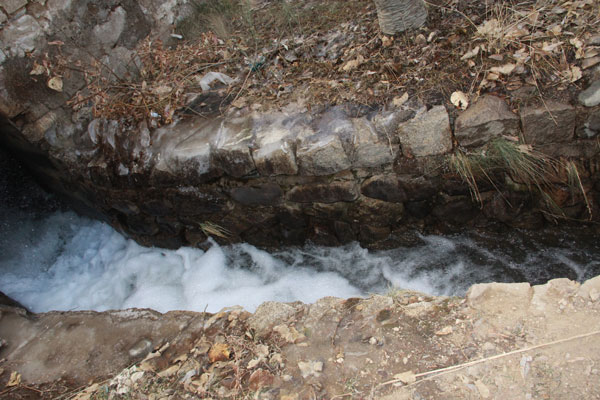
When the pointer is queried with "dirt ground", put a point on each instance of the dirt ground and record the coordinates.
(501, 341)
(326, 53)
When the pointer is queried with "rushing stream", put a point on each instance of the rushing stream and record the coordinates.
(52, 259)
(60, 261)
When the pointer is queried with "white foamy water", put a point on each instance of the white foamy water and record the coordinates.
(66, 262)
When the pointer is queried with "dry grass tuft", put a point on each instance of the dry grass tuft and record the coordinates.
(522, 166)
(212, 229)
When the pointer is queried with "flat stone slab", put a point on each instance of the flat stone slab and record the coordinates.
(187, 148)
(11, 6)
(21, 36)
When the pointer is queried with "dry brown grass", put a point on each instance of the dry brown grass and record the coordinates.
(518, 163)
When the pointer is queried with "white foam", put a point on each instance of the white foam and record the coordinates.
(98, 269)
(65, 262)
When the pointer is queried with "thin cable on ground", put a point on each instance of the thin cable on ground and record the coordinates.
(447, 370)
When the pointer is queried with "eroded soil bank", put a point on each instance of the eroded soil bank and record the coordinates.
(501, 341)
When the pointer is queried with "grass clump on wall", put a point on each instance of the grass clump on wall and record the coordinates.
(519, 166)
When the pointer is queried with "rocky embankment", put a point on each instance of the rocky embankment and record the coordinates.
(500, 341)
(289, 174)
(286, 175)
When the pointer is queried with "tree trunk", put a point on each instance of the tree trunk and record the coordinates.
(396, 16)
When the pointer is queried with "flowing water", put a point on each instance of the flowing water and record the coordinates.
(61, 261)
(53, 259)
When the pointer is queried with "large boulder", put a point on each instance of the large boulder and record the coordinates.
(485, 120)
(427, 134)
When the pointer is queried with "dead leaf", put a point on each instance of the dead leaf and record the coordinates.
(550, 47)
(37, 69)
(86, 394)
(555, 29)
(181, 359)
(239, 102)
(260, 378)
(253, 363)
(460, 100)
(262, 350)
(406, 377)
(136, 376)
(444, 331)
(55, 83)
(219, 352)
(289, 334)
(505, 69)
(525, 148)
(162, 90)
(491, 28)
(277, 358)
(492, 76)
(471, 53)
(353, 64)
(592, 52)
(172, 370)
(516, 32)
(576, 42)
(398, 101)
(590, 62)
(309, 368)
(14, 380)
(496, 57)
(387, 41)
(572, 74)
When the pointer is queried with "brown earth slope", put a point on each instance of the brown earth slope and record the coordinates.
(501, 341)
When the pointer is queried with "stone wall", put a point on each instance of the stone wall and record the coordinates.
(328, 175)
